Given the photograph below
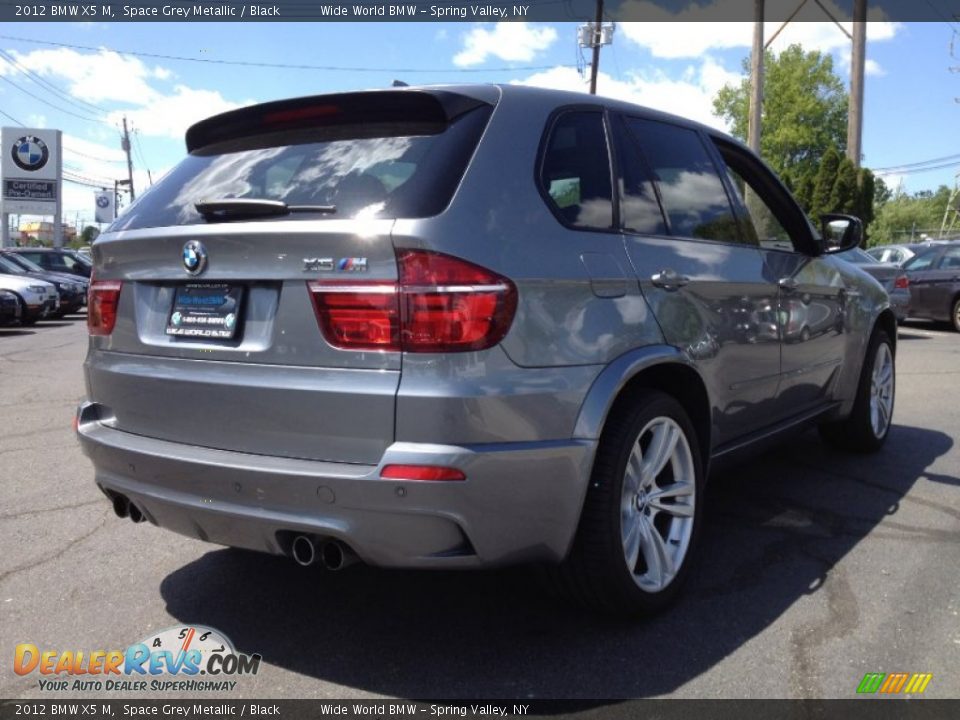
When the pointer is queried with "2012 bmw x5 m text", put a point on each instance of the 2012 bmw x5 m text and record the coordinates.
(468, 326)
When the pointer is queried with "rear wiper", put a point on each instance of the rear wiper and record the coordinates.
(234, 208)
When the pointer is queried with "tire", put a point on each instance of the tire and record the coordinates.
(867, 427)
(24, 320)
(955, 314)
(623, 518)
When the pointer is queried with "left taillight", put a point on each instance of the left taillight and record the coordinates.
(902, 283)
(102, 300)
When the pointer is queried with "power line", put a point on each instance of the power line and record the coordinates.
(11, 117)
(45, 102)
(56, 90)
(944, 166)
(284, 66)
(90, 157)
(907, 166)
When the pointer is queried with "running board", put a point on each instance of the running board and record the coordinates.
(770, 434)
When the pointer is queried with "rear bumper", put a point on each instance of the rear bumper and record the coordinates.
(521, 502)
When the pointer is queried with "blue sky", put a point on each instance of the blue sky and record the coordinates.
(911, 114)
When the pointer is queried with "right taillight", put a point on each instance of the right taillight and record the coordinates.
(102, 299)
(902, 283)
(441, 304)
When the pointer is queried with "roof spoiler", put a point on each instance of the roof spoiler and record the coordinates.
(418, 112)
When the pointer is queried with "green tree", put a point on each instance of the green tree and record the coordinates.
(843, 196)
(821, 201)
(89, 234)
(804, 112)
(903, 217)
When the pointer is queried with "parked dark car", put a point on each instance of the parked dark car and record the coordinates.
(72, 289)
(61, 260)
(935, 284)
(469, 327)
(893, 278)
(9, 309)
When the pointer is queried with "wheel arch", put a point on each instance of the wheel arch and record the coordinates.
(661, 368)
(887, 320)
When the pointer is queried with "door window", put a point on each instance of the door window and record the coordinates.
(950, 259)
(575, 173)
(693, 195)
(639, 209)
(763, 227)
(921, 262)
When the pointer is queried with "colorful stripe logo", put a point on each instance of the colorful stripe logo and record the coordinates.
(894, 683)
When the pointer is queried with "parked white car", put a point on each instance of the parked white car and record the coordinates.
(38, 299)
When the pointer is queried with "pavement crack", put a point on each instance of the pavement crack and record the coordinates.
(27, 513)
(57, 554)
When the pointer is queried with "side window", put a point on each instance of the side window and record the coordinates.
(950, 259)
(692, 192)
(575, 173)
(639, 208)
(764, 229)
(921, 262)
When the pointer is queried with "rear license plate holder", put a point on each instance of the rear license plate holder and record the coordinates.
(205, 311)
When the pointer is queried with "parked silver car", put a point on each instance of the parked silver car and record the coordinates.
(468, 326)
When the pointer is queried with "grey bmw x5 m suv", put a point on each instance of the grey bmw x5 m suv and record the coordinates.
(468, 326)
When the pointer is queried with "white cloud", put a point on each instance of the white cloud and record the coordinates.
(699, 31)
(171, 115)
(690, 96)
(107, 77)
(510, 41)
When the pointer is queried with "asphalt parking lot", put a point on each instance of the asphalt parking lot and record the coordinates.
(814, 568)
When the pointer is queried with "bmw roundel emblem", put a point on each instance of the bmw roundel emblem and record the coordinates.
(194, 257)
(30, 153)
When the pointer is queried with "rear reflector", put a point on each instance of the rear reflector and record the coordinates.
(902, 283)
(442, 304)
(102, 299)
(421, 472)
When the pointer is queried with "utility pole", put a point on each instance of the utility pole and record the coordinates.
(125, 144)
(756, 78)
(858, 61)
(593, 35)
(595, 66)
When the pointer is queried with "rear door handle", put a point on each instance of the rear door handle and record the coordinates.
(669, 280)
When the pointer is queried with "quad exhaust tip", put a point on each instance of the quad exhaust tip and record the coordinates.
(331, 554)
(123, 508)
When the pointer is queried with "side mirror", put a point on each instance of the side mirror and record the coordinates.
(840, 232)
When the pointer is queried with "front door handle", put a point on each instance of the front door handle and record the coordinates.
(669, 280)
(788, 284)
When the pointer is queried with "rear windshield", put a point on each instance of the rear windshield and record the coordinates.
(389, 175)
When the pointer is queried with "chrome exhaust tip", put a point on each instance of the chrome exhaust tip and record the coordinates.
(304, 550)
(336, 556)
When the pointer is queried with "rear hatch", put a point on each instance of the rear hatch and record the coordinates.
(222, 336)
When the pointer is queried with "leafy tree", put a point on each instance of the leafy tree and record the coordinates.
(843, 196)
(903, 217)
(89, 234)
(821, 201)
(804, 112)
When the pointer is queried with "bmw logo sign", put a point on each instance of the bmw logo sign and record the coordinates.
(102, 201)
(30, 153)
(194, 257)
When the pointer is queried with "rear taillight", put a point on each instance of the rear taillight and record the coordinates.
(357, 315)
(902, 283)
(102, 299)
(441, 304)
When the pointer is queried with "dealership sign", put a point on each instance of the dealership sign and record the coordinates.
(31, 170)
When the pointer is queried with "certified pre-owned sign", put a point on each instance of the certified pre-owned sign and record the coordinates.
(31, 163)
